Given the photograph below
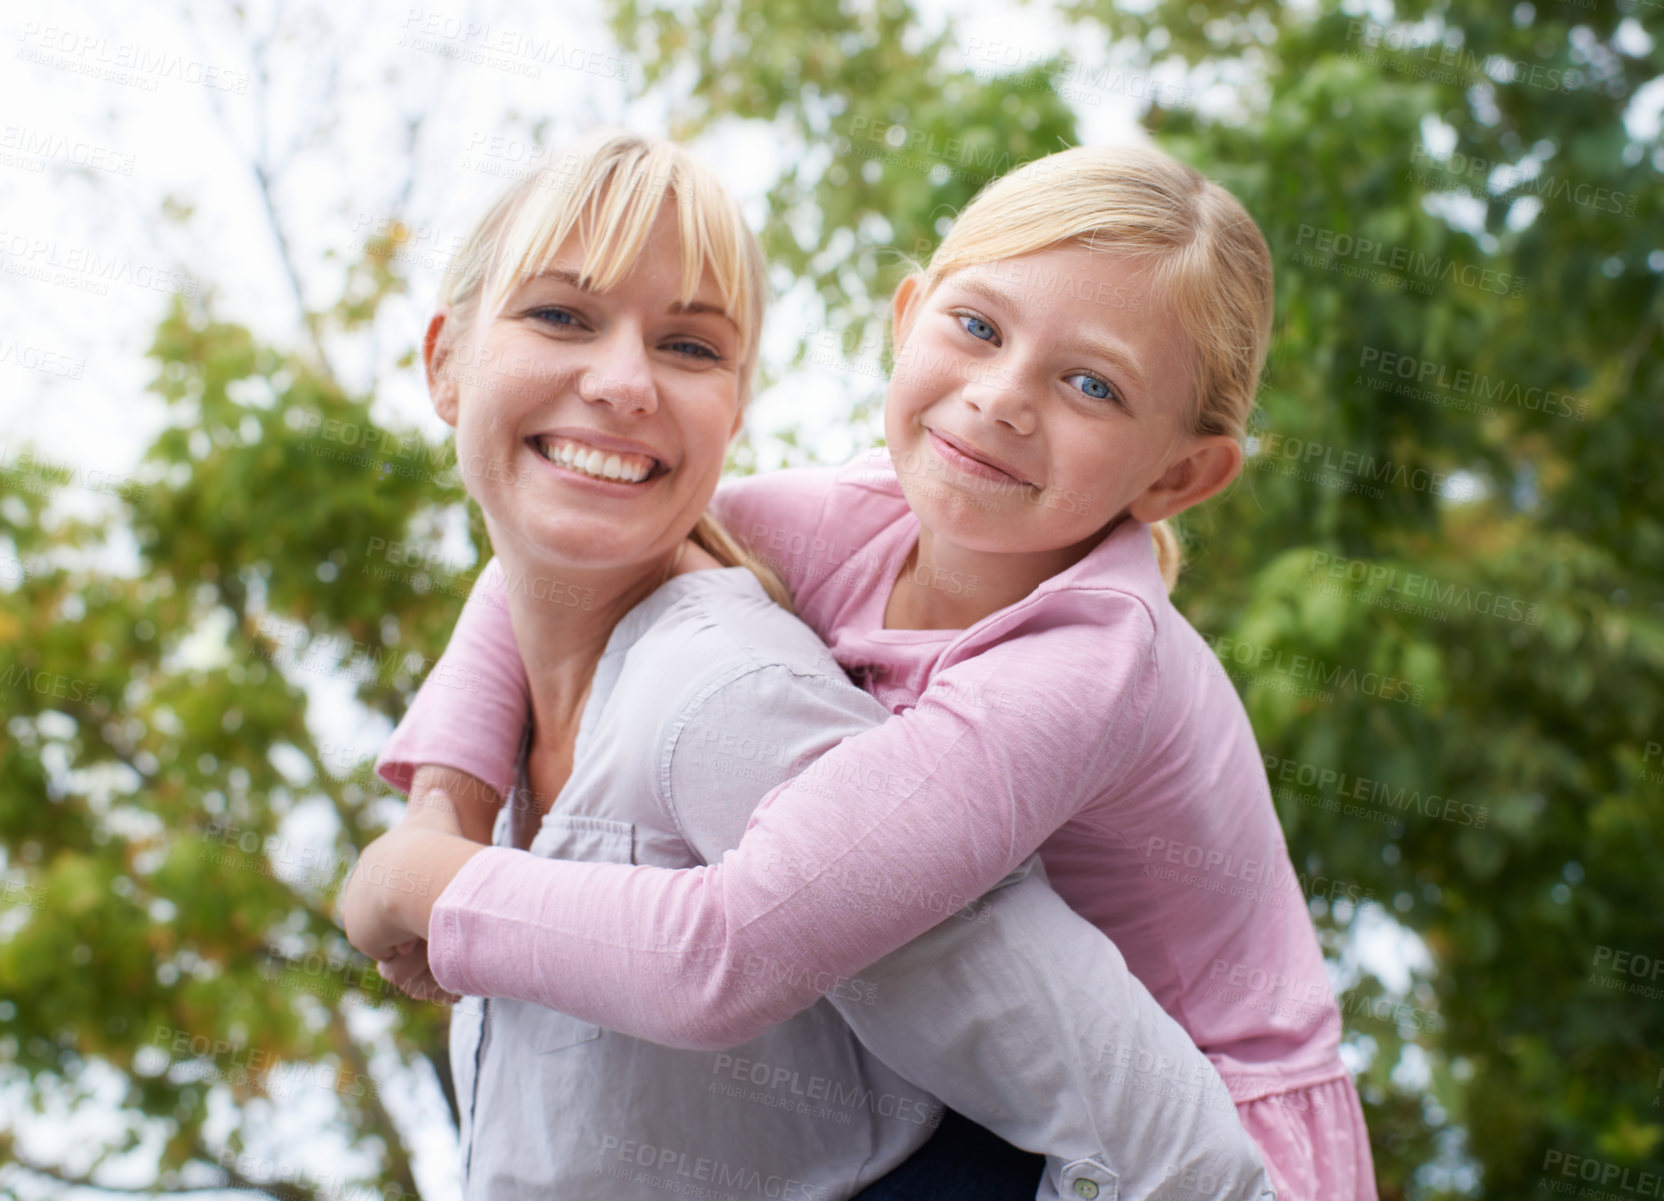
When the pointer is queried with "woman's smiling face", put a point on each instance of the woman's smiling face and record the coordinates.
(1036, 399)
(591, 427)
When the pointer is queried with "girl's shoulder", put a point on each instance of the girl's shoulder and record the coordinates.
(1109, 604)
(788, 499)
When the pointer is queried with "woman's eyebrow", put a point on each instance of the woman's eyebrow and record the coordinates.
(675, 308)
(696, 307)
(560, 275)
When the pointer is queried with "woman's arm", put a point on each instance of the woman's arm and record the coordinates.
(1021, 1015)
(942, 800)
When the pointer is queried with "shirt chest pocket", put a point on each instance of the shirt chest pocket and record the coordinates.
(590, 840)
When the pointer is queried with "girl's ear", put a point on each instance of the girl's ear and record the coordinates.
(436, 360)
(902, 305)
(1210, 464)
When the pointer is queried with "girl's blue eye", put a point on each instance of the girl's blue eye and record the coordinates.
(1094, 387)
(554, 316)
(977, 327)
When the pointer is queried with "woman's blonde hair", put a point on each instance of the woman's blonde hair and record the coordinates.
(1201, 252)
(608, 188)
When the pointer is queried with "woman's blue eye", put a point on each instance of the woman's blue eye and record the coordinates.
(554, 316)
(977, 328)
(1094, 387)
(697, 349)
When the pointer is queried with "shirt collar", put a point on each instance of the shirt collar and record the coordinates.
(1124, 561)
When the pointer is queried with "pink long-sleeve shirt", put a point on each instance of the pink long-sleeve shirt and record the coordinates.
(1089, 721)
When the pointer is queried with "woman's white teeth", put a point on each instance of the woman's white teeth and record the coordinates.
(629, 468)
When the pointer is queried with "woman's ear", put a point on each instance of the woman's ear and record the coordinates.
(901, 308)
(1209, 464)
(436, 360)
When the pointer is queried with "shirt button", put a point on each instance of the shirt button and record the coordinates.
(1086, 1188)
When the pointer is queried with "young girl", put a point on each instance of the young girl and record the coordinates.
(1076, 364)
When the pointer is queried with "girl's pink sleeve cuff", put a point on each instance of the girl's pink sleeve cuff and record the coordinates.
(449, 941)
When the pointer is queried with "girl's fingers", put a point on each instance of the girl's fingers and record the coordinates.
(408, 971)
(399, 969)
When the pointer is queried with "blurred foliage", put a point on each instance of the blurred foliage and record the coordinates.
(157, 778)
(160, 795)
(1461, 137)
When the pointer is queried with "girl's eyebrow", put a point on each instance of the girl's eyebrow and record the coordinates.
(675, 308)
(983, 288)
(1112, 354)
(1109, 352)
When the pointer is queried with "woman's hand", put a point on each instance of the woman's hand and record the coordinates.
(389, 897)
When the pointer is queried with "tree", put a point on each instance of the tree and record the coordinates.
(172, 827)
(1438, 582)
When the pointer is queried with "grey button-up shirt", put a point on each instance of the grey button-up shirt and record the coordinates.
(1015, 1010)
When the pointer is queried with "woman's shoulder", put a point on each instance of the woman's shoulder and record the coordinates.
(704, 629)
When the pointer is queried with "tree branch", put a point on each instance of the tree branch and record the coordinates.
(382, 1124)
(264, 172)
(233, 1180)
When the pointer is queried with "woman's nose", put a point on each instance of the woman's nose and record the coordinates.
(621, 374)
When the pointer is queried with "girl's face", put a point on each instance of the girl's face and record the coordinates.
(591, 427)
(1037, 399)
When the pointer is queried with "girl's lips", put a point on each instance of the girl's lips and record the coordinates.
(958, 455)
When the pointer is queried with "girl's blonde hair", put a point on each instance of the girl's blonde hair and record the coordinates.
(1201, 251)
(608, 188)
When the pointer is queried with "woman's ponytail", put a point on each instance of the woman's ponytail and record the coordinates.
(712, 537)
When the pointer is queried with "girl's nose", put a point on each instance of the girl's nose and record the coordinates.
(1003, 398)
(621, 374)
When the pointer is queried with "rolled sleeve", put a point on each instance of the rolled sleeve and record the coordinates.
(741, 738)
(1022, 1016)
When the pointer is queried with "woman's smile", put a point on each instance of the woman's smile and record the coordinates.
(597, 457)
(623, 400)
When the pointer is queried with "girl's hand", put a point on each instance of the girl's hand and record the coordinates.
(368, 913)
(389, 897)
(408, 971)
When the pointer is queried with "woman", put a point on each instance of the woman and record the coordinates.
(593, 350)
